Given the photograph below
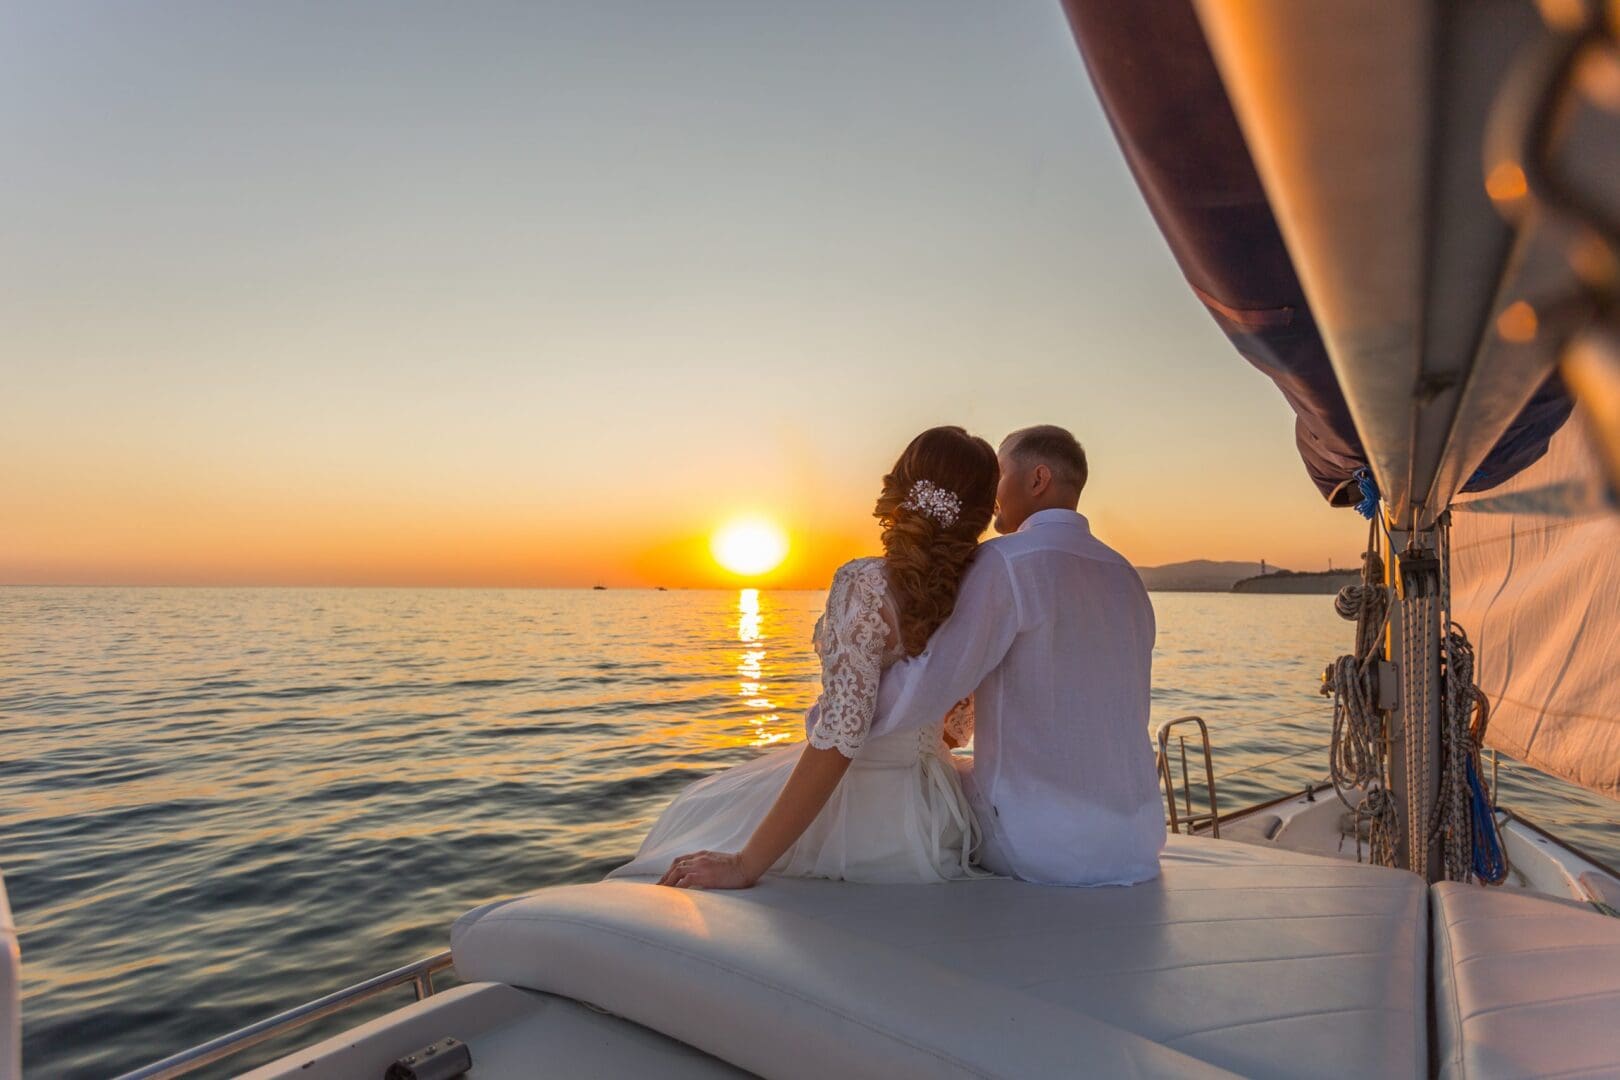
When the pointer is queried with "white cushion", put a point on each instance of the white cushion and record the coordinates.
(785, 996)
(1524, 985)
(1246, 959)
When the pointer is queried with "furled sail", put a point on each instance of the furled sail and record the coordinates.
(1535, 567)
(1428, 418)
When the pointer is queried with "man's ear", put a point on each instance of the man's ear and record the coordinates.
(1040, 478)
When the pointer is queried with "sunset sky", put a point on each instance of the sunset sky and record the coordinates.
(544, 293)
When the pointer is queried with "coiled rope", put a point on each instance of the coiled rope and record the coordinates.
(1452, 821)
(1356, 759)
(1459, 818)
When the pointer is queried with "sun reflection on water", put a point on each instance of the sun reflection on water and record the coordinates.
(748, 617)
(765, 724)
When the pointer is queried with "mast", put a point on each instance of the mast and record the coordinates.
(1413, 647)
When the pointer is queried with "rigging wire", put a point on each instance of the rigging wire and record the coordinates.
(1240, 725)
(1273, 761)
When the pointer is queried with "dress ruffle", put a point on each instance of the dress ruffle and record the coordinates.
(899, 816)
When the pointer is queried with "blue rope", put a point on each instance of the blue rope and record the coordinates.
(1490, 862)
(1368, 506)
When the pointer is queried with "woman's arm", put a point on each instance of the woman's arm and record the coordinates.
(855, 633)
(812, 783)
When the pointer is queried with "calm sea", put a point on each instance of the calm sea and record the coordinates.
(216, 804)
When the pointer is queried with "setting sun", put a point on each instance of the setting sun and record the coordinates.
(749, 547)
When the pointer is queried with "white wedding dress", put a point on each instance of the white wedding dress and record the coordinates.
(899, 814)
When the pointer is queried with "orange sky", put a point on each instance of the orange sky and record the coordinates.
(542, 300)
(121, 522)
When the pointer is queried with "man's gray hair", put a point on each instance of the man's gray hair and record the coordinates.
(1052, 446)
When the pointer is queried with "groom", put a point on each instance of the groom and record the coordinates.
(1052, 634)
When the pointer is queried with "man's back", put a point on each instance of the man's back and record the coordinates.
(1053, 634)
(1061, 753)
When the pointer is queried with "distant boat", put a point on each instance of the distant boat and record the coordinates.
(599, 588)
(662, 589)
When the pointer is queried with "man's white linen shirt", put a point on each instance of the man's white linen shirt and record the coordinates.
(1053, 635)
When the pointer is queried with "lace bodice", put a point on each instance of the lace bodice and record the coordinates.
(852, 638)
(857, 637)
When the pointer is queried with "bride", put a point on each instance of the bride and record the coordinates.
(839, 805)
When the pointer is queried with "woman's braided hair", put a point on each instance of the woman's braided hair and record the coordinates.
(924, 556)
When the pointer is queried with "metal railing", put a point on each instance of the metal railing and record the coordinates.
(1212, 816)
(418, 974)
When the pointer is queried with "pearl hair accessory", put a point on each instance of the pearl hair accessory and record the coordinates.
(931, 500)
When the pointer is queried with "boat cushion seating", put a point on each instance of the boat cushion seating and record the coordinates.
(781, 995)
(1525, 985)
(1239, 959)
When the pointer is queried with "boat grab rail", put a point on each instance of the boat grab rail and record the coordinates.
(418, 974)
(1212, 816)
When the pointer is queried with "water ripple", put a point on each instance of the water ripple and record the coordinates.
(218, 803)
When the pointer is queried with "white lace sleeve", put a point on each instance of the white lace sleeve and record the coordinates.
(851, 639)
(959, 721)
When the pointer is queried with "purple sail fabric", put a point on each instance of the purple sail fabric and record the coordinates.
(1163, 96)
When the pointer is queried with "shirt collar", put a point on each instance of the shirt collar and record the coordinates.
(1057, 516)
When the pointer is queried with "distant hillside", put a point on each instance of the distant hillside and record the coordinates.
(1199, 575)
(1321, 582)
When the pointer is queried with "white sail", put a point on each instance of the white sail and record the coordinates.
(1535, 569)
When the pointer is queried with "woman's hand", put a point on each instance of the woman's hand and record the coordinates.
(808, 788)
(710, 870)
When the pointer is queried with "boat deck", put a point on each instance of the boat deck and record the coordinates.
(1237, 960)
(1242, 959)
(1316, 822)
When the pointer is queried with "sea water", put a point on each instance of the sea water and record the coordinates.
(219, 803)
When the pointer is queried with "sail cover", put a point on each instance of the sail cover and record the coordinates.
(1535, 556)
(1160, 88)
(1535, 566)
